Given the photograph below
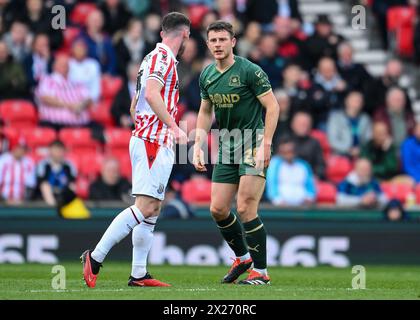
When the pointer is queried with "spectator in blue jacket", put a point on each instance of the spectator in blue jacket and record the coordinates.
(410, 154)
(290, 180)
(99, 44)
(360, 189)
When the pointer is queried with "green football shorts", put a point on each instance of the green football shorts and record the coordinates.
(231, 173)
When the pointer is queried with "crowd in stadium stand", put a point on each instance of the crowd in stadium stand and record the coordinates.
(349, 138)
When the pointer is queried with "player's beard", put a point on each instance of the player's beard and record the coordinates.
(181, 50)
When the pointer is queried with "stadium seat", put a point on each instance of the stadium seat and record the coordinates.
(398, 191)
(82, 187)
(338, 167)
(417, 191)
(39, 137)
(197, 190)
(326, 192)
(81, 12)
(18, 113)
(400, 25)
(323, 141)
(101, 113)
(69, 34)
(88, 165)
(79, 140)
(110, 86)
(196, 13)
(117, 140)
(400, 16)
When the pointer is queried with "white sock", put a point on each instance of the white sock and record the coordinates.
(246, 256)
(142, 242)
(262, 271)
(119, 228)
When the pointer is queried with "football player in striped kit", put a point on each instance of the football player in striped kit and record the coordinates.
(153, 109)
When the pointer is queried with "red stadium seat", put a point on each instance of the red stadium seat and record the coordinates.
(323, 141)
(101, 113)
(196, 14)
(326, 192)
(197, 190)
(88, 165)
(117, 140)
(338, 167)
(400, 16)
(110, 86)
(405, 41)
(79, 140)
(39, 137)
(82, 187)
(398, 191)
(18, 113)
(81, 12)
(417, 191)
(69, 34)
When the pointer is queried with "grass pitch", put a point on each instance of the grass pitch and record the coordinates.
(32, 281)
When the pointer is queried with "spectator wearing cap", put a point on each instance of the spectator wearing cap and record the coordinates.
(61, 102)
(110, 185)
(290, 180)
(360, 188)
(85, 71)
(17, 173)
(323, 42)
(350, 128)
(55, 174)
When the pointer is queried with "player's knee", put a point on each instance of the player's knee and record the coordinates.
(219, 212)
(245, 206)
(149, 209)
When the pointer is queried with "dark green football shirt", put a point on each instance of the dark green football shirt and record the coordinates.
(234, 97)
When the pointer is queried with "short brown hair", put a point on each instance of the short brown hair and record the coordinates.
(220, 25)
(173, 20)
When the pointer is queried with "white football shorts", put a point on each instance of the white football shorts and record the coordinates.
(151, 167)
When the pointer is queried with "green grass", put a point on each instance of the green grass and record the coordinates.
(32, 281)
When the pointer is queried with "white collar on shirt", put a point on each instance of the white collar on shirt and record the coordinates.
(164, 46)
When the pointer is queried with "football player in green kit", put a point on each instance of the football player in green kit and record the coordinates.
(237, 90)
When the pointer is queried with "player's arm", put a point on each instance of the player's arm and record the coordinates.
(154, 99)
(204, 121)
(269, 102)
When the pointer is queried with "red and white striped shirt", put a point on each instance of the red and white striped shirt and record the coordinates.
(16, 176)
(160, 64)
(55, 85)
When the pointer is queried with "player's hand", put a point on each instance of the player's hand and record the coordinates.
(263, 155)
(198, 160)
(180, 135)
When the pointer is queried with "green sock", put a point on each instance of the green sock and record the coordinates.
(231, 230)
(256, 238)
